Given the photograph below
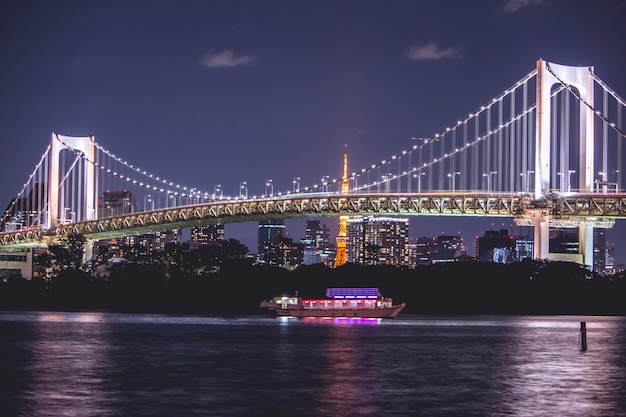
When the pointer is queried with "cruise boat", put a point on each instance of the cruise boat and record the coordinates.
(339, 302)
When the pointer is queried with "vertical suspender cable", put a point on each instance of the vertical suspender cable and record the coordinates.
(619, 148)
(477, 148)
(553, 145)
(605, 133)
(563, 143)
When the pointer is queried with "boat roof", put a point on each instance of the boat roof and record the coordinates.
(360, 292)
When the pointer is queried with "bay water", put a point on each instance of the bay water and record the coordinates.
(92, 364)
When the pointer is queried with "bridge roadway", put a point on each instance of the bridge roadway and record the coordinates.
(565, 210)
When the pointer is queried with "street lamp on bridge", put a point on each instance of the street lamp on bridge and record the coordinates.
(489, 179)
(452, 175)
(269, 185)
(569, 179)
(528, 172)
(149, 199)
(218, 189)
(386, 178)
(419, 181)
(243, 189)
(325, 179)
(602, 182)
(562, 180)
(296, 185)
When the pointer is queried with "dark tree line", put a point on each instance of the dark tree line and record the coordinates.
(221, 279)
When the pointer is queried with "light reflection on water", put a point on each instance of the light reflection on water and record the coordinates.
(342, 320)
(104, 364)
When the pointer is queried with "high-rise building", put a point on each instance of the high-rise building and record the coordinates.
(317, 246)
(448, 249)
(563, 245)
(316, 234)
(206, 235)
(269, 231)
(524, 247)
(424, 249)
(169, 236)
(496, 246)
(116, 203)
(609, 265)
(378, 241)
(284, 252)
(599, 250)
(137, 245)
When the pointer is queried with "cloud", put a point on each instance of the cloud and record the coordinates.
(431, 52)
(227, 59)
(511, 6)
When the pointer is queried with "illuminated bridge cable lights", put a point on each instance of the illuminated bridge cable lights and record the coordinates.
(141, 171)
(469, 144)
(22, 193)
(493, 138)
(106, 162)
(443, 134)
(595, 111)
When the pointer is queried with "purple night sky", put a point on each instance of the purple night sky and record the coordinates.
(219, 92)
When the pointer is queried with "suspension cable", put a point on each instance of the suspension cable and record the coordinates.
(597, 112)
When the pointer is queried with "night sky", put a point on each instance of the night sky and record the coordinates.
(220, 92)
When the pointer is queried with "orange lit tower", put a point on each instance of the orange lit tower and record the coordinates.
(342, 237)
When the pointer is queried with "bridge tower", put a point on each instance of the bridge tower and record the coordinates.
(342, 236)
(549, 74)
(85, 145)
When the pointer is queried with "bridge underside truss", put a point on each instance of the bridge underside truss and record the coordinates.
(599, 209)
(248, 210)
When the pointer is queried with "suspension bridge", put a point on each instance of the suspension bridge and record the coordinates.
(546, 152)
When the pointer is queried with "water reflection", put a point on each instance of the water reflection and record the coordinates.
(102, 364)
(68, 366)
(345, 371)
(548, 371)
(342, 320)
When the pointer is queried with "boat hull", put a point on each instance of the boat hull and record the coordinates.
(383, 312)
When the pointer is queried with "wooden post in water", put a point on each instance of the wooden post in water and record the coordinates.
(583, 336)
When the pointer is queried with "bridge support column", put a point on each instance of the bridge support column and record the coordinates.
(585, 244)
(88, 251)
(541, 222)
(549, 74)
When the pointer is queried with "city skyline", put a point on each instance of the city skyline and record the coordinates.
(220, 93)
